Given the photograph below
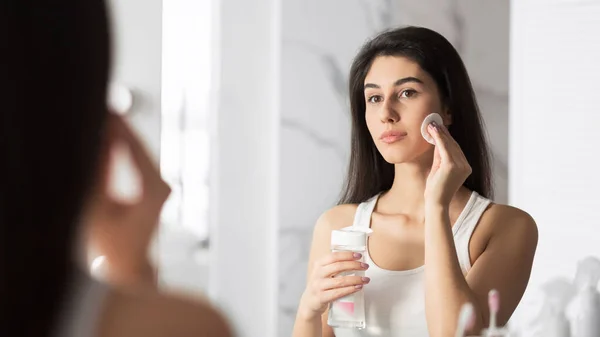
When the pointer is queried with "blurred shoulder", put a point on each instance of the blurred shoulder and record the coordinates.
(153, 314)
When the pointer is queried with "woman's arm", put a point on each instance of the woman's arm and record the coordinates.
(307, 324)
(312, 326)
(122, 230)
(321, 286)
(504, 265)
(446, 289)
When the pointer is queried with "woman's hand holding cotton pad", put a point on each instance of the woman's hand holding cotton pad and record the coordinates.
(434, 117)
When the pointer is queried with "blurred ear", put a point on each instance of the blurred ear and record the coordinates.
(447, 117)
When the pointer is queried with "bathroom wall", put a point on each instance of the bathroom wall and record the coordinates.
(294, 116)
(185, 152)
(137, 35)
(320, 38)
(553, 136)
(244, 163)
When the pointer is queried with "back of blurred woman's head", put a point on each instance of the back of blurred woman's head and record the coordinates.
(54, 68)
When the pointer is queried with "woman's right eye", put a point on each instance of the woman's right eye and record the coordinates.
(374, 99)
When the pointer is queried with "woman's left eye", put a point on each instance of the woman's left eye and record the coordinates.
(408, 93)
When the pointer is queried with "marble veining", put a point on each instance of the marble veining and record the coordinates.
(311, 135)
(295, 239)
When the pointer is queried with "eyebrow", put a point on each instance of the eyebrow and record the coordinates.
(397, 83)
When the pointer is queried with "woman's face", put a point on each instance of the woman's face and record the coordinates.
(398, 97)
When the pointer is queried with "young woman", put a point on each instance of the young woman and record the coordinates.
(438, 241)
(56, 136)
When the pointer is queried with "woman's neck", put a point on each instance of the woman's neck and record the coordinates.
(406, 196)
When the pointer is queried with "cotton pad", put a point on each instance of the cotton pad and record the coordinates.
(434, 117)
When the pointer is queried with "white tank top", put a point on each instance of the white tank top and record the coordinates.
(395, 300)
(83, 308)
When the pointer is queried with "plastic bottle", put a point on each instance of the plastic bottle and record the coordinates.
(553, 321)
(585, 319)
(349, 311)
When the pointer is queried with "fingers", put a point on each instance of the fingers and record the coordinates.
(448, 149)
(337, 257)
(441, 141)
(329, 296)
(437, 160)
(343, 282)
(340, 267)
(451, 143)
(323, 288)
(152, 181)
(337, 262)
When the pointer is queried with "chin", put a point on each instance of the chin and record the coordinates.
(397, 156)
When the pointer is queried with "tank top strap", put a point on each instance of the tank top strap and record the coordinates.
(362, 217)
(465, 226)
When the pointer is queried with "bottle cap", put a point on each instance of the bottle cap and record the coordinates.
(350, 236)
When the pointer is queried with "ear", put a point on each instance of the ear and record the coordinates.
(447, 117)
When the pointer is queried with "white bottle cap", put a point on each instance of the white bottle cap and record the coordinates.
(350, 236)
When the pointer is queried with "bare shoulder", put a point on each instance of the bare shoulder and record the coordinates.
(511, 223)
(337, 217)
(153, 314)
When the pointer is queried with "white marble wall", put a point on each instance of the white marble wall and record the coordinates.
(320, 38)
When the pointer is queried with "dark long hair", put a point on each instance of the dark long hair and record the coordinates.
(368, 173)
(54, 67)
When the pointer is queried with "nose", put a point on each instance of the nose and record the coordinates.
(388, 113)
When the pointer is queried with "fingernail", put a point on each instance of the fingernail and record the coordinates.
(358, 286)
(366, 279)
(357, 255)
(364, 265)
(435, 126)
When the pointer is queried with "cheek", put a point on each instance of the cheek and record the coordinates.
(372, 123)
(425, 104)
(412, 123)
(375, 129)
(415, 118)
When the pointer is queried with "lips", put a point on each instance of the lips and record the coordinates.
(390, 137)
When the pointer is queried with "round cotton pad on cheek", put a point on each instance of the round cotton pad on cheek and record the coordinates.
(434, 117)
